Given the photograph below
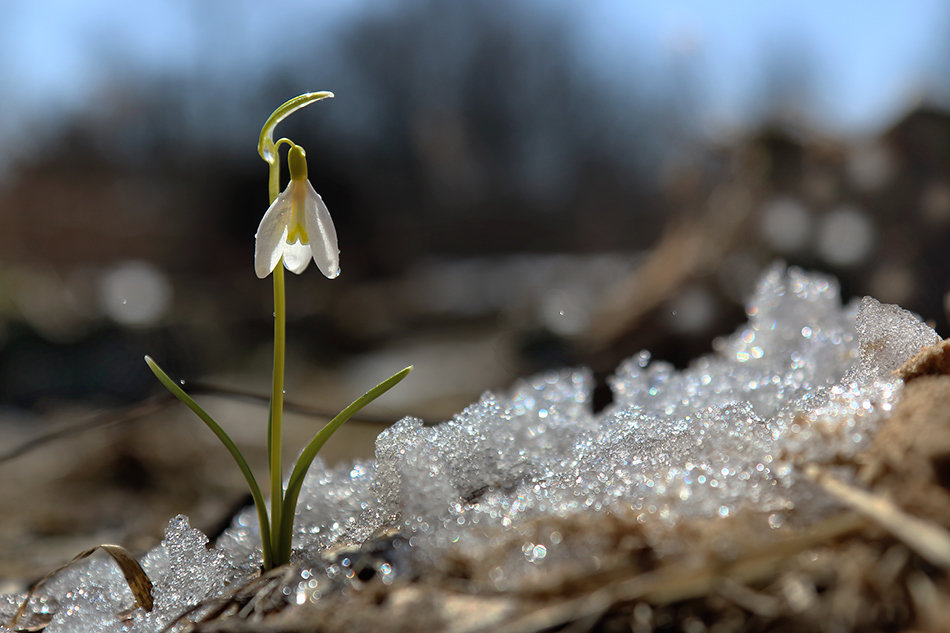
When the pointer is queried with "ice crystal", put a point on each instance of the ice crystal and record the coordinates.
(804, 380)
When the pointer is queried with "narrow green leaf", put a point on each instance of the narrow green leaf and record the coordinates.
(265, 144)
(179, 393)
(310, 452)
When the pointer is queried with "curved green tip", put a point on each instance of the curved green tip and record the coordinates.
(265, 144)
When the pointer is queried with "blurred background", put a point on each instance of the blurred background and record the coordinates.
(516, 186)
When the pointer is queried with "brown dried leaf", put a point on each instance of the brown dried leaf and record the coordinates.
(933, 360)
(135, 576)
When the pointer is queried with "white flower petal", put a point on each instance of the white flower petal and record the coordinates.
(323, 244)
(271, 236)
(296, 257)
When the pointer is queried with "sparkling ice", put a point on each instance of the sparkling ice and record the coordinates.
(804, 380)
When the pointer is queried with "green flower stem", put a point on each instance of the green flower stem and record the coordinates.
(285, 528)
(277, 530)
(178, 392)
(273, 181)
(277, 404)
(275, 419)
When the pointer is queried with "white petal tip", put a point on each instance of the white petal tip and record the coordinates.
(333, 274)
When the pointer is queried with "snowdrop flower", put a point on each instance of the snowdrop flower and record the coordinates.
(296, 227)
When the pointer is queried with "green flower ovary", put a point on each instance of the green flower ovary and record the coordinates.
(297, 164)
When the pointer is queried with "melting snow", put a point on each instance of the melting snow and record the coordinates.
(805, 379)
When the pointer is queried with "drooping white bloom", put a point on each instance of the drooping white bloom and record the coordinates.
(296, 227)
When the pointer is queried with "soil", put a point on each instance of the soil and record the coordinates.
(881, 563)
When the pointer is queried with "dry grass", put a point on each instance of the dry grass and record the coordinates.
(880, 564)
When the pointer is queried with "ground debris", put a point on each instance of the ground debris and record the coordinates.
(933, 360)
(789, 481)
(845, 573)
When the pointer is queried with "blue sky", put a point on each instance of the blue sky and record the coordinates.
(870, 58)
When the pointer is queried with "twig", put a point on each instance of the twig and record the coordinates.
(295, 407)
(927, 539)
(158, 403)
(682, 581)
(100, 420)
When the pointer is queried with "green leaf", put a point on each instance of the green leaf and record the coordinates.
(179, 393)
(310, 452)
(265, 144)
